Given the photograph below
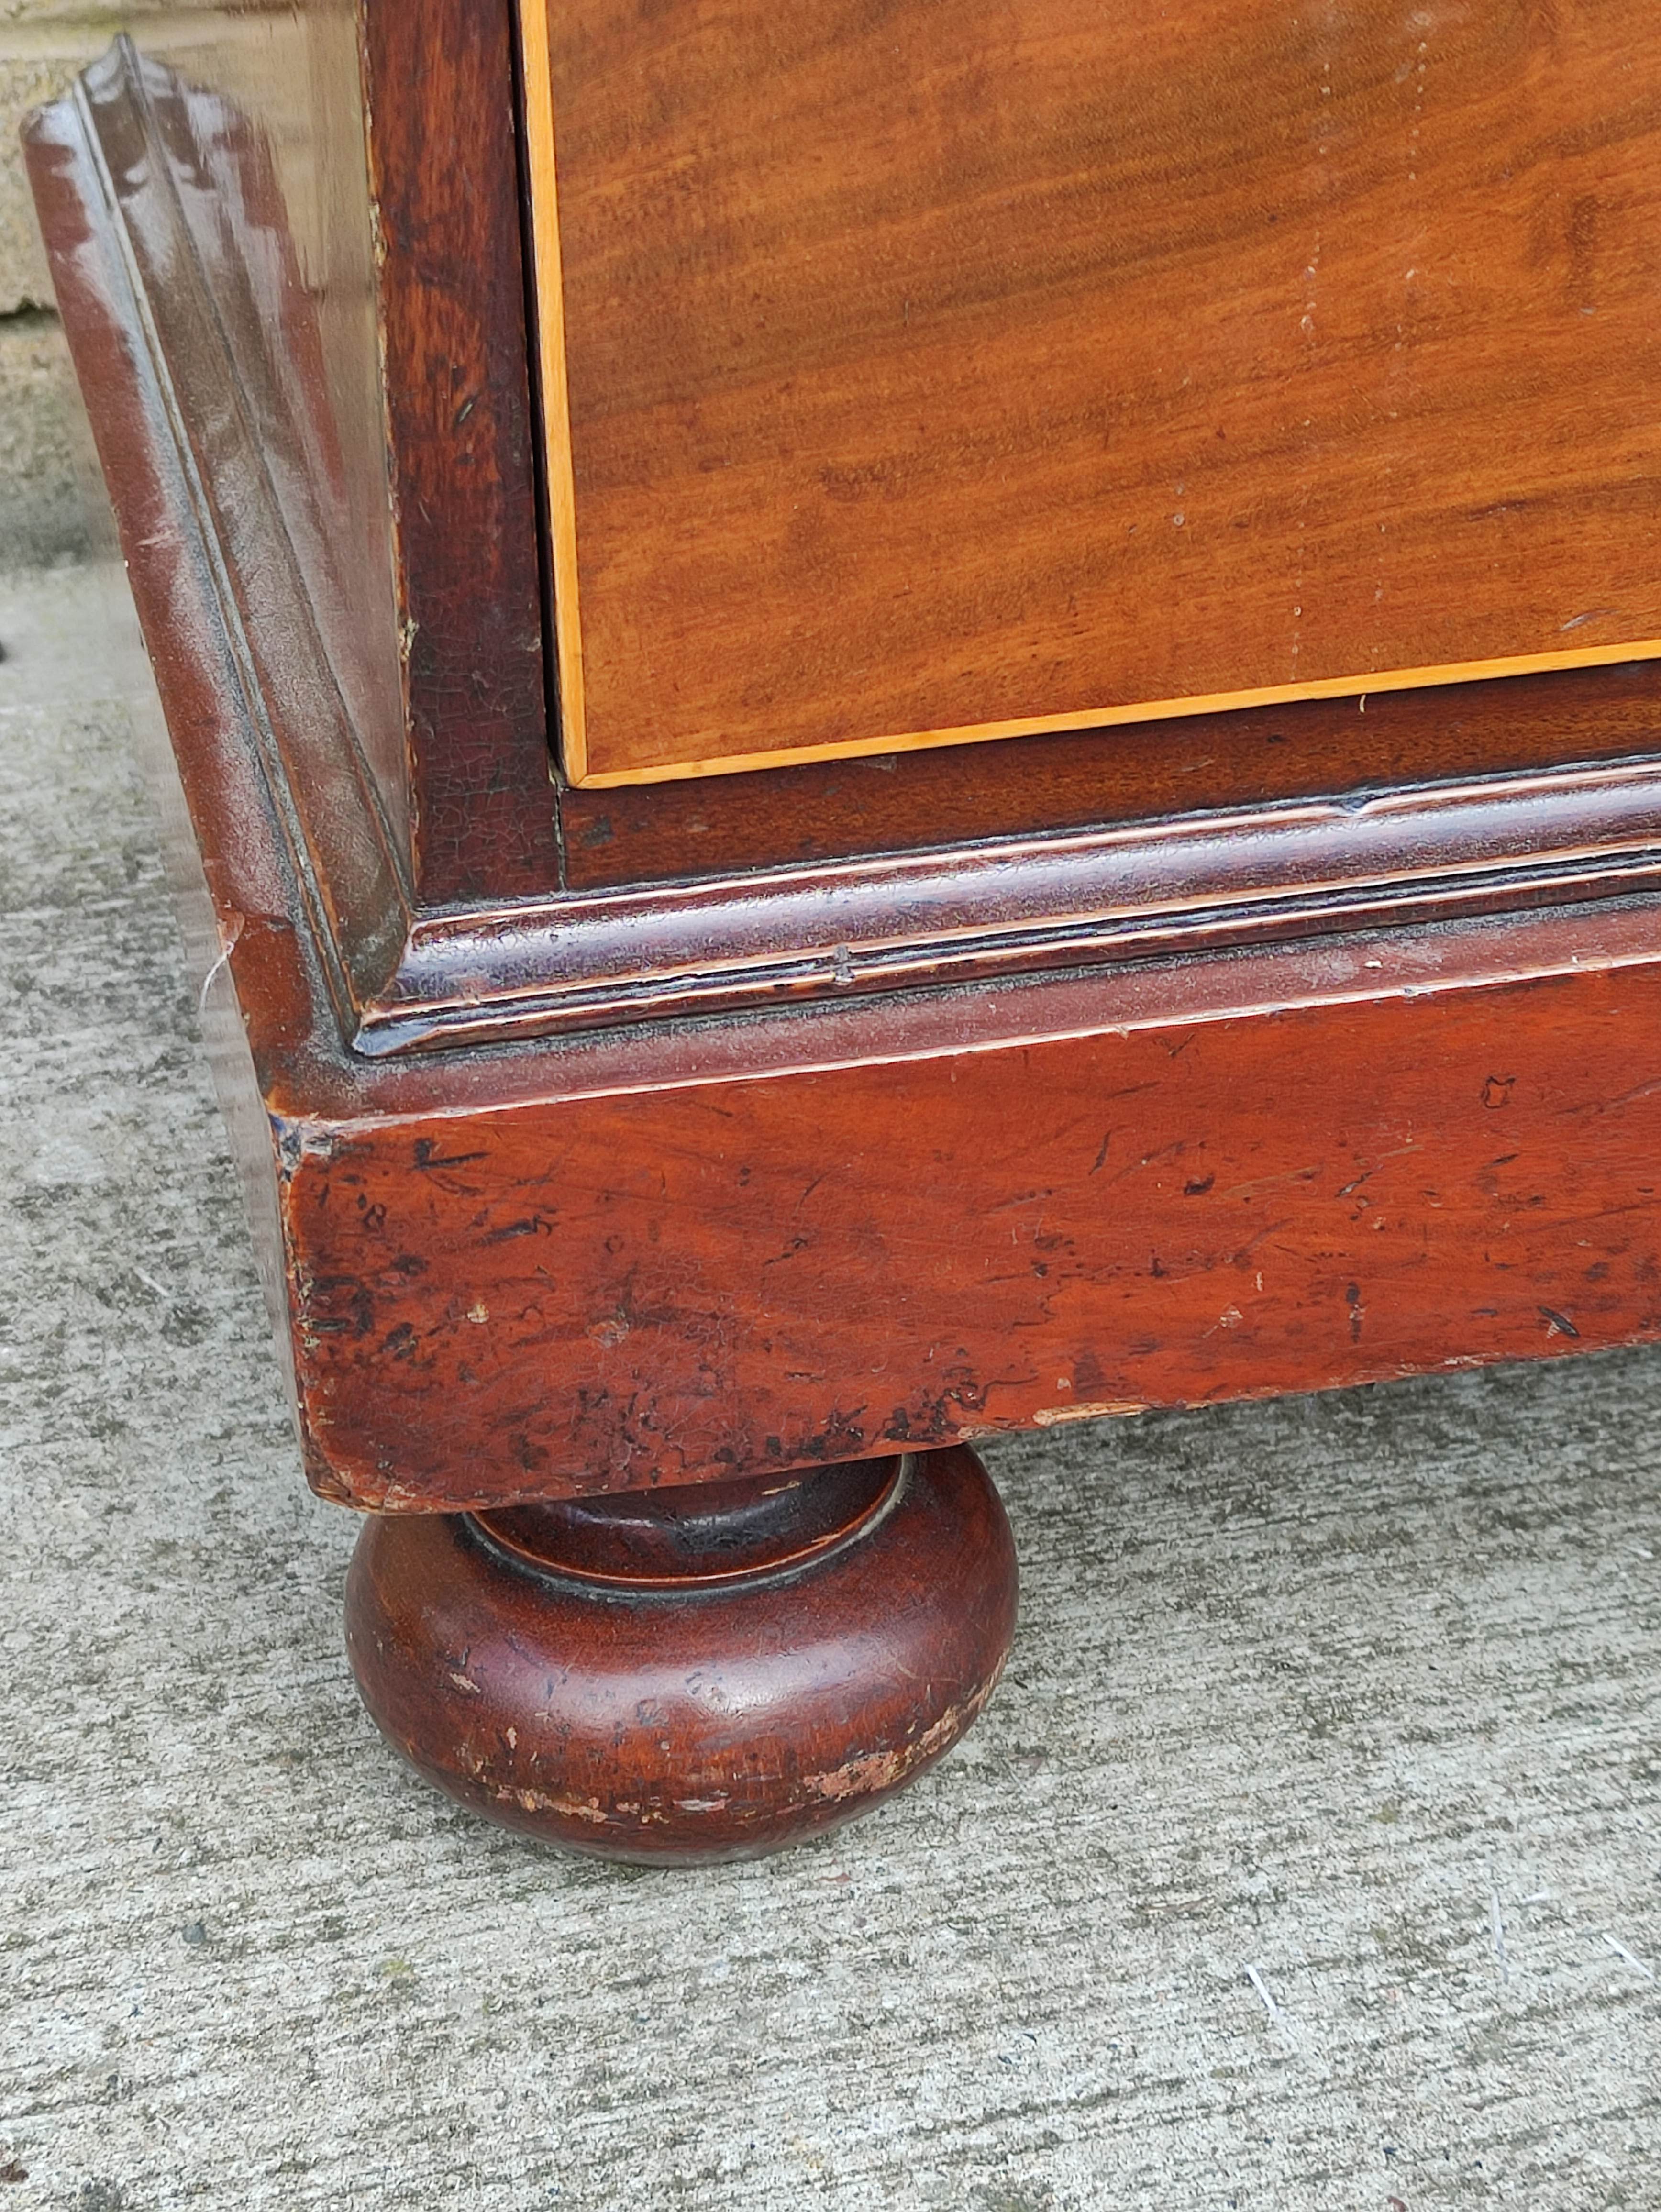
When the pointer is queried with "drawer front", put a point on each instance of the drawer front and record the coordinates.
(926, 374)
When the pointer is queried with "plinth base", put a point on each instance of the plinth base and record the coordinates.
(683, 1676)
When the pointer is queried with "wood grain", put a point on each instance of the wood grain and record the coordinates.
(952, 909)
(739, 1276)
(937, 374)
(684, 1250)
(900, 802)
(439, 91)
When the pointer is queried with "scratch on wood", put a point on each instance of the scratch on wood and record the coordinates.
(886, 1769)
(1051, 1417)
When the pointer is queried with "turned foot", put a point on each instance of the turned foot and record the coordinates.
(687, 1675)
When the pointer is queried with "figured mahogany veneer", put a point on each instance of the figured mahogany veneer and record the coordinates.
(945, 373)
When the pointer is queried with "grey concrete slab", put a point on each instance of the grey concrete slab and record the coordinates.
(1309, 1857)
(43, 514)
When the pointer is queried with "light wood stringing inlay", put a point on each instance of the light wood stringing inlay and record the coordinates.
(921, 375)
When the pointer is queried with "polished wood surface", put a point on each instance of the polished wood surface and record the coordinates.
(945, 373)
(1247, 831)
(691, 1675)
(291, 173)
(1087, 779)
(255, 132)
(1237, 1073)
(668, 1248)
(438, 82)
(208, 238)
(1333, 1164)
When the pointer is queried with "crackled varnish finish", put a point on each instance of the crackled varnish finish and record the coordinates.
(693, 1675)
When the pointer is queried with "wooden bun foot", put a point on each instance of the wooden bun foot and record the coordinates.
(683, 1676)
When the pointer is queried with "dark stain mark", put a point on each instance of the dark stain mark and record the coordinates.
(425, 1157)
(1199, 1187)
(1357, 1311)
(929, 1424)
(354, 1304)
(848, 484)
(1100, 1160)
(531, 1457)
(1023, 1198)
(537, 1225)
(842, 1438)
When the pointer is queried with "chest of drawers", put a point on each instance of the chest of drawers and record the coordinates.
(893, 725)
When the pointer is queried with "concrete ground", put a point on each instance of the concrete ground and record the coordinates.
(1309, 1857)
